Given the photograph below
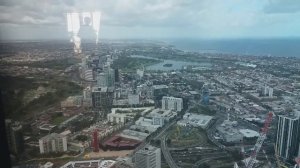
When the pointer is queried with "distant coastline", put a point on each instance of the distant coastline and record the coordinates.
(287, 47)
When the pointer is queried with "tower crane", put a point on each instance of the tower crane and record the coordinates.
(263, 134)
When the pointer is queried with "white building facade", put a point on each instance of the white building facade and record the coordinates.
(149, 157)
(288, 137)
(53, 143)
(172, 103)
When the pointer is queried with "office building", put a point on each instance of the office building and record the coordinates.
(148, 157)
(158, 121)
(117, 75)
(159, 90)
(15, 138)
(205, 95)
(172, 103)
(53, 143)
(88, 74)
(267, 91)
(288, 137)
(106, 78)
(102, 97)
(133, 99)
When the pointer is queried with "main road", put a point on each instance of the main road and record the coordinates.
(166, 153)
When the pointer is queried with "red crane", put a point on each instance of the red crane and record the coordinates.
(263, 134)
(95, 141)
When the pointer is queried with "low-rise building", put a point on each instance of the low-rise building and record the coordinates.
(145, 125)
(196, 120)
(229, 133)
(131, 134)
(90, 164)
(165, 114)
(116, 117)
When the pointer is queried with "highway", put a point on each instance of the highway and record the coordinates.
(166, 153)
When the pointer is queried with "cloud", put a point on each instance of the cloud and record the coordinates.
(136, 18)
(282, 6)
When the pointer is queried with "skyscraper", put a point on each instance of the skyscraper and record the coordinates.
(288, 137)
(148, 157)
(14, 136)
(102, 98)
(106, 78)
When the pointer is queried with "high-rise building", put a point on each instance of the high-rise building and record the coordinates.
(288, 137)
(148, 157)
(53, 143)
(205, 95)
(14, 134)
(117, 76)
(102, 97)
(172, 103)
(88, 74)
(106, 78)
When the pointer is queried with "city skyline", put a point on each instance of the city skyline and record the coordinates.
(134, 19)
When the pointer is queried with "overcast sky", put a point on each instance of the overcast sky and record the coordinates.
(45, 19)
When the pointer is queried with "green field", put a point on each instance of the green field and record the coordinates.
(130, 64)
(59, 64)
(200, 109)
(14, 89)
(184, 137)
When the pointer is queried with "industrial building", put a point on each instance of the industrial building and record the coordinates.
(196, 120)
(148, 157)
(229, 132)
(53, 143)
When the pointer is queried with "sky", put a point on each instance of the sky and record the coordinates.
(154, 19)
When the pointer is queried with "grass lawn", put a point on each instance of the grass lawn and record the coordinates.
(58, 120)
(200, 109)
(130, 64)
(188, 136)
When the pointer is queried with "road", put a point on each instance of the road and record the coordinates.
(202, 161)
(162, 131)
(166, 153)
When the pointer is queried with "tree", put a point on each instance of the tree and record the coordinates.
(168, 141)
(81, 138)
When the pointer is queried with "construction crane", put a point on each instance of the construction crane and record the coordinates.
(263, 134)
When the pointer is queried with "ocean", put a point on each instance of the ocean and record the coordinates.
(259, 47)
